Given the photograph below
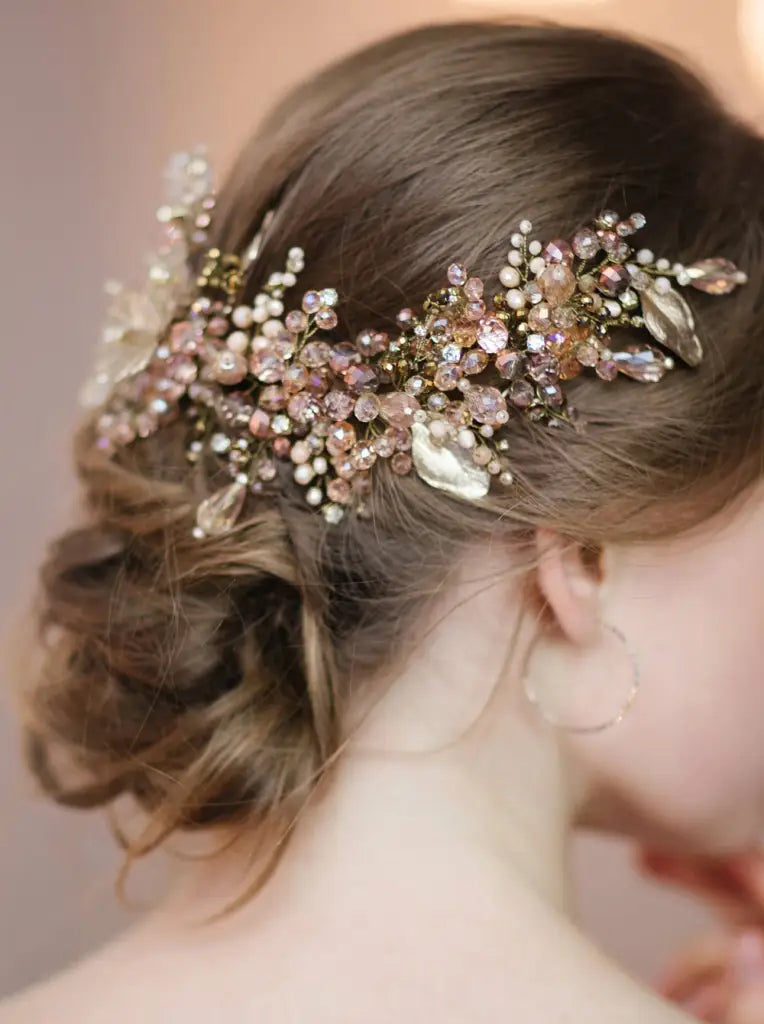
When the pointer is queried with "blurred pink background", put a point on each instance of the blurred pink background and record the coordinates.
(94, 95)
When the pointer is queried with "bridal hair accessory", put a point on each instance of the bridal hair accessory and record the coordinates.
(263, 387)
(585, 698)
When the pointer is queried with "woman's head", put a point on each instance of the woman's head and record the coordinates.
(212, 681)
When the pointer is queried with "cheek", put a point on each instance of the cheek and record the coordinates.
(689, 757)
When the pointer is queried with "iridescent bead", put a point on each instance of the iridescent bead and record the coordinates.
(401, 463)
(311, 302)
(540, 318)
(473, 289)
(485, 404)
(457, 274)
(475, 309)
(447, 376)
(399, 408)
(341, 438)
(607, 369)
(557, 251)
(508, 363)
(521, 393)
(281, 424)
(405, 317)
(272, 398)
(295, 378)
(363, 455)
(361, 378)
(558, 284)
(318, 380)
(326, 319)
(367, 407)
(401, 437)
(384, 445)
(265, 363)
(437, 401)
(260, 423)
(338, 404)
(338, 490)
(614, 279)
(304, 408)
(586, 244)
(316, 353)
(474, 362)
(543, 368)
(229, 367)
(587, 354)
(329, 296)
(371, 343)
(414, 385)
(343, 467)
(492, 334)
(296, 321)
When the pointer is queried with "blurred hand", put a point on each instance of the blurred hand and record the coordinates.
(719, 977)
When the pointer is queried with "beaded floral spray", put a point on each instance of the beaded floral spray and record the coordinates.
(259, 386)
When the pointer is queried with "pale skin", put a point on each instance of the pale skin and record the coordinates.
(429, 882)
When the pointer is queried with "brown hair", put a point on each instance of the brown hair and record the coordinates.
(209, 680)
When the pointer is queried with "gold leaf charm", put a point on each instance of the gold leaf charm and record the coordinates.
(670, 321)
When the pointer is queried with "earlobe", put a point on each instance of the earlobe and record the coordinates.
(569, 583)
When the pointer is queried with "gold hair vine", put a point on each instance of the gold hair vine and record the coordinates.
(263, 388)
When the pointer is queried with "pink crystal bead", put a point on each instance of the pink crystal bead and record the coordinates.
(338, 404)
(341, 438)
(557, 251)
(282, 447)
(300, 453)
(543, 368)
(457, 274)
(521, 393)
(272, 398)
(296, 321)
(344, 356)
(218, 326)
(401, 437)
(311, 302)
(181, 333)
(260, 423)
(447, 376)
(326, 319)
(339, 491)
(613, 280)
(473, 289)
(371, 343)
(363, 455)
(265, 362)
(607, 369)
(304, 408)
(587, 354)
(558, 283)
(508, 363)
(361, 378)
(384, 446)
(474, 362)
(343, 467)
(401, 463)
(492, 334)
(487, 405)
(318, 380)
(316, 353)
(267, 470)
(643, 364)
(552, 393)
(367, 407)
(540, 318)
(229, 367)
(295, 378)
(398, 409)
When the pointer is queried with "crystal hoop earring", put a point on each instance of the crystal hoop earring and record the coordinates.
(574, 707)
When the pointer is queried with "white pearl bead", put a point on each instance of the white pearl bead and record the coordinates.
(242, 316)
(509, 277)
(314, 496)
(514, 258)
(645, 257)
(534, 247)
(526, 227)
(238, 341)
(515, 299)
(303, 474)
(275, 307)
(320, 465)
(438, 430)
(466, 439)
(662, 285)
(537, 264)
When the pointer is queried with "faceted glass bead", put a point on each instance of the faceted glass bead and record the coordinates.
(557, 341)
(304, 408)
(343, 357)
(457, 274)
(367, 407)
(338, 490)
(447, 376)
(295, 378)
(540, 318)
(296, 321)
(521, 393)
(401, 437)
(363, 455)
(457, 414)
(229, 367)
(587, 354)
(564, 317)
(492, 334)
(339, 404)
(316, 353)
(552, 393)
(401, 463)
(509, 364)
(398, 408)
(486, 405)
(272, 398)
(569, 368)
(586, 244)
(384, 446)
(371, 343)
(614, 279)
(557, 251)
(326, 319)
(557, 283)
(341, 438)
(361, 378)
(311, 302)
(318, 380)
(607, 369)
(266, 364)
(543, 368)
(474, 361)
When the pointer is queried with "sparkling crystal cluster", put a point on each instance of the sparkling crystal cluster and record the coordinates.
(263, 388)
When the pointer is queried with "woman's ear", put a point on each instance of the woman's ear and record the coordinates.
(569, 580)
